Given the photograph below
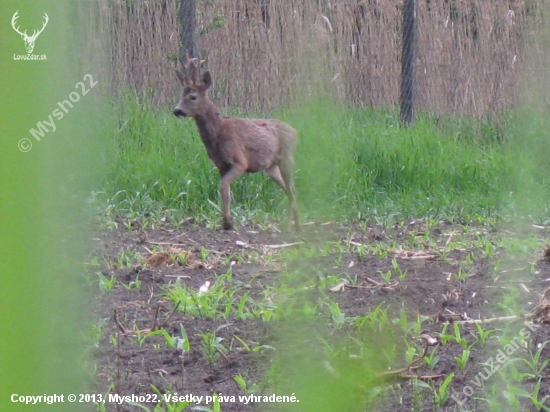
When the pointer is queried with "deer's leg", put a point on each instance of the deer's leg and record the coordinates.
(275, 173)
(228, 175)
(286, 167)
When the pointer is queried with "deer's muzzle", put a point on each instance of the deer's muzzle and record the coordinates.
(179, 113)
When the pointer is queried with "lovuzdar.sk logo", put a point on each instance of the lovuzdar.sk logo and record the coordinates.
(29, 40)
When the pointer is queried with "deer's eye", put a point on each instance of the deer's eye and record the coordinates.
(193, 97)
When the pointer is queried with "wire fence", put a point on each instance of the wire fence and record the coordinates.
(470, 54)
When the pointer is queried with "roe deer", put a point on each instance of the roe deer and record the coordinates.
(238, 146)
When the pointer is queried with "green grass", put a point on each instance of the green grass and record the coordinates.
(351, 163)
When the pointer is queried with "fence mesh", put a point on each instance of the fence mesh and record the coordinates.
(265, 53)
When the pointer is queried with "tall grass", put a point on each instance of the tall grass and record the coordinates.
(351, 163)
(470, 53)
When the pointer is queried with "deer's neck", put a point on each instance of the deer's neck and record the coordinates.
(209, 123)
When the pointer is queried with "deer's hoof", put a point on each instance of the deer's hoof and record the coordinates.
(227, 225)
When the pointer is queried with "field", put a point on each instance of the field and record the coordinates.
(417, 283)
(420, 281)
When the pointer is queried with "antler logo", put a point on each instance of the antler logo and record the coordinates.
(29, 40)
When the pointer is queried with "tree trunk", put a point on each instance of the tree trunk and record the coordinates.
(187, 18)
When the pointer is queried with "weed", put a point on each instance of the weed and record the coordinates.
(241, 383)
(211, 347)
(106, 284)
(461, 275)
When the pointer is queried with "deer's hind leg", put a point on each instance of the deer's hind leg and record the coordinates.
(275, 173)
(286, 173)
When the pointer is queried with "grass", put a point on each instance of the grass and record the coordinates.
(350, 164)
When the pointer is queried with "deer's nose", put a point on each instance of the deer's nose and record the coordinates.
(179, 113)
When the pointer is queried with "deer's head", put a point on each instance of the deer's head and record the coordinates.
(194, 94)
(29, 40)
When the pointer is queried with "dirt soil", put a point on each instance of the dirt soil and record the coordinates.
(193, 255)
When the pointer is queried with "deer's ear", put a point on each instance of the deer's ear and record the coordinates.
(206, 80)
(181, 78)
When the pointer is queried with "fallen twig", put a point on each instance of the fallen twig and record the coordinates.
(282, 245)
(380, 285)
(488, 320)
(224, 356)
(154, 328)
(398, 372)
(420, 377)
(166, 243)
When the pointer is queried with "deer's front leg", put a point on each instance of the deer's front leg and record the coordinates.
(228, 175)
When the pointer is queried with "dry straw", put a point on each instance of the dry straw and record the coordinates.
(264, 53)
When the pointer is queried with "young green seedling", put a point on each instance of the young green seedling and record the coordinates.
(539, 405)
(461, 275)
(410, 354)
(442, 393)
(140, 336)
(106, 284)
(170, 341)
(402, 321)
(533, 363)
(459, 339)
(386, 276)
(443, 336)
(242, 311)
(204, 254)
(211, 347)
(432, 360)
(461, 361)
(418, 324)
(362, 252)
(510, 394)
(380, 252)
(241, 383)
(482, 335)
(215, 406)
(338, 317)
(418, 395)
(169, 407)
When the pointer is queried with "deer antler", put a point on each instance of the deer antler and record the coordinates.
(186, 68)
(36, 33)
(190, 71)
(192, 68)
(196, 68)
(13, 20)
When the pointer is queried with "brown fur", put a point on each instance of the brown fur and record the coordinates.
(237, 146)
